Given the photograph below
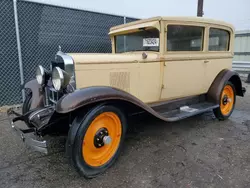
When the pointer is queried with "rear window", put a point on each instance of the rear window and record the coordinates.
(218, 40)
(184, 38)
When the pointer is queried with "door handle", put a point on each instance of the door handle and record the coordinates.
(206, 61)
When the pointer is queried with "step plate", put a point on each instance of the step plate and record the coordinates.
(188, 111)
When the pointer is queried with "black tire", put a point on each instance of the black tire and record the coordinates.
(218, 111)
(76, 135)
(27, 103)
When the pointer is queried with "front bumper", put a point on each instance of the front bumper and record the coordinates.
(38, 145)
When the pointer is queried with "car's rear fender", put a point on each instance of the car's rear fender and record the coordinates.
(221, 79)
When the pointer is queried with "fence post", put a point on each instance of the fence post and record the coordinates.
(19, 47)
(124, 40)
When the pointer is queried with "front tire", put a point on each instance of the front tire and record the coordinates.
(95, 140)
(227, 102)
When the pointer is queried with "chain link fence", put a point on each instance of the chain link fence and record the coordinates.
(42, 28)
(10, 92)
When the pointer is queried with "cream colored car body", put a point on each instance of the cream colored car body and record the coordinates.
(95, 118)
(162, 75)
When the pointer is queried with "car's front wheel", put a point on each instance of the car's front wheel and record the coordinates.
(95, 139)
(227, 102)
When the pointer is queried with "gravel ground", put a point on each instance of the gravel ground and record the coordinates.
(197, 152)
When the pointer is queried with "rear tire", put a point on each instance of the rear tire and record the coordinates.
(227, 102)
(95, 140)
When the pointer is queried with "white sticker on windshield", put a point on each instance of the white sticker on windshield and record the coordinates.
(151, 42)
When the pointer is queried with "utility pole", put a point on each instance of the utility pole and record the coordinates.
(200, 8)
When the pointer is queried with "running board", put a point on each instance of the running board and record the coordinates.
(188, 111)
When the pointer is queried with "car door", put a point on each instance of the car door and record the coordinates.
(220, 52)
(184, 68)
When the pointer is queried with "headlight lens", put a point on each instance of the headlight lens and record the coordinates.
(40, 75)
(57, 78)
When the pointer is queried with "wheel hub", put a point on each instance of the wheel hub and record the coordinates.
(226, 100)
(101, 138)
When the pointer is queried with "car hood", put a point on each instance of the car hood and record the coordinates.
(105, 58)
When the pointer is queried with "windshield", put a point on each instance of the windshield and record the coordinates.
(144, 40)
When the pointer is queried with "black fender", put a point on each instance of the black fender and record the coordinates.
(94, 95)
(37, 93)
(217, 85)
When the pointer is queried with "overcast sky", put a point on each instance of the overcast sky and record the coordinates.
(237, 12)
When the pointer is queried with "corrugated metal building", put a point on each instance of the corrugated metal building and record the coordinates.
(242, 46)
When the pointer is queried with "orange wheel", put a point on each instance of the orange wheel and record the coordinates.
(227, 102)
(102, 139)
(95, 140)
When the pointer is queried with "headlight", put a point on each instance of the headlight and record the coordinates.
(57, 78)
(40, 75)
(60, 78)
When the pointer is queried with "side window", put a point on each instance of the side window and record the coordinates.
(184, 38)
(218, 40)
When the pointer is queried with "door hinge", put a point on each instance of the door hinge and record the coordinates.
(162, 86)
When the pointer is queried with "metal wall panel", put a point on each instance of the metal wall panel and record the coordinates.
(241, 58)
(242, 46)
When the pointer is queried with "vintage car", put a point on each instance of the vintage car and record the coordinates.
(169, 67)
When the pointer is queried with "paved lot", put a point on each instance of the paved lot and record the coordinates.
(198, 152)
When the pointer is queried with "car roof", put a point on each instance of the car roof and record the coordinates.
(193, 19)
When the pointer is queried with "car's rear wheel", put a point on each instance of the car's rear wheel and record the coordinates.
(95, 140)
(227, 102)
